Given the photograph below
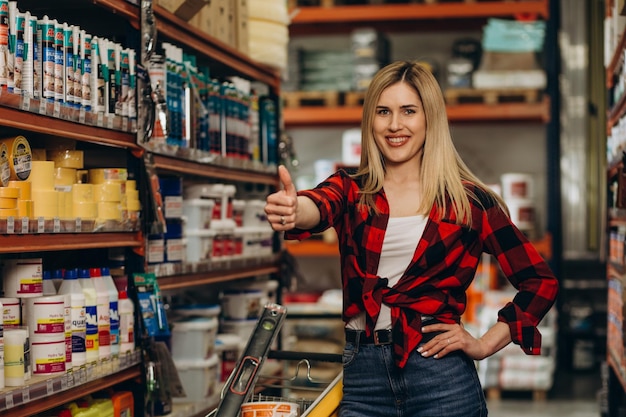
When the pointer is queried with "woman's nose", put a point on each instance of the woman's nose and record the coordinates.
(394, 122)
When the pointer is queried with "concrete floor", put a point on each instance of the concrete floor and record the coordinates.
(574, 394)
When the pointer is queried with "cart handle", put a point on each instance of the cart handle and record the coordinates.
(312, 356)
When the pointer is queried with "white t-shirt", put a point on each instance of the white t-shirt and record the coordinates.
(401, 239)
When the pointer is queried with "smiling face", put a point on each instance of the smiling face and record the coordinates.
(400, 125)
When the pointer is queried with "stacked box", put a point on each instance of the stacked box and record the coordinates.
(326, 70)
(370, 51)
(185, 9)
(511, 368)
(509, 55)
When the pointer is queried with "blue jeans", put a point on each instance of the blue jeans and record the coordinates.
(425, 387)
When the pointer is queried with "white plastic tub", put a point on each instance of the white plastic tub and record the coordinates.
(199, 378)
(194, 338)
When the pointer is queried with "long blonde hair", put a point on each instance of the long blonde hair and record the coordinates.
(443, 171)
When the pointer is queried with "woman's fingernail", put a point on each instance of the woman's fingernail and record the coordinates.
(424, 353)
(419, 349)
(436, 356)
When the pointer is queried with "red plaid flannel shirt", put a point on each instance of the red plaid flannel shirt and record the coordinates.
(442, 268)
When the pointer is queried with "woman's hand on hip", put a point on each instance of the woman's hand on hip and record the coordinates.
(452, 337)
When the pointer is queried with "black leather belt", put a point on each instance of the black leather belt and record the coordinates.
(379, 337)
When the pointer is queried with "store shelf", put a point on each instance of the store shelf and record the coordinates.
(216, 276)
(17, 243)
(616, 61)
(12, 115)
(398, 17)
(313, 247)
(179, 31)
(184, 166)
(43, 393)
(504, 112)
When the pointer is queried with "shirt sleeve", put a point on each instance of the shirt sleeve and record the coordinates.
(527, 271)
(328, 196)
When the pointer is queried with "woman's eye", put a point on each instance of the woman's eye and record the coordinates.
(383, 111)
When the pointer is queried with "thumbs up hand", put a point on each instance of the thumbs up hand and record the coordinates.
(281, 206)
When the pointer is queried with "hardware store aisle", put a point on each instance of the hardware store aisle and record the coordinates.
(573, 395)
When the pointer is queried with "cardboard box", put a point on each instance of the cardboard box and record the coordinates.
(240, 27)
(203, 20)
(185, 9)
(506, 61)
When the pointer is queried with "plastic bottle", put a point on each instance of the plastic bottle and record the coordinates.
(104, 319)
(127, 323)
(92, 345)
(71, 286)
(57, 278)
(48, 287)
(113, 310)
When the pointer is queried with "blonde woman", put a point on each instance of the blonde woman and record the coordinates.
(412, 223)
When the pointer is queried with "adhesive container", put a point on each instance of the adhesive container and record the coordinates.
(198, 245)
(16, 343)
(199, 378)
(254, 214)
(242, 304)
(48, 354)
(198, 213)
(270, 408)
(194, 338)
(45, 315)
(213, 192)
(22, 278)
(11, 317)
(229, 348)
(242, 328)
(517, 185)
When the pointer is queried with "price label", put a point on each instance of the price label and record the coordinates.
(81, 115)
(56, 225)
(9, 401)
(41, 225)
(79, 225)
(25, 103)
(49, 387)
(100, 120)
(57, 109)
(25, 223)
(25, 395)
(10, 225)
(42, 106)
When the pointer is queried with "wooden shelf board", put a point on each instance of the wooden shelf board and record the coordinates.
(412, 12)
(184, 281)
(16, 243)
(504, 112)
(182, 166)
(312, 248)
(74, 393)
(320, 248)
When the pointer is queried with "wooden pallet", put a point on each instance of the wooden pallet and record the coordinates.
(292, 4)
(354, 98)
(491, 96)
(295, 99)
(495, 393)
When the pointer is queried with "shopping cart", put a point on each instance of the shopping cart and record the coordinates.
(246, 377)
